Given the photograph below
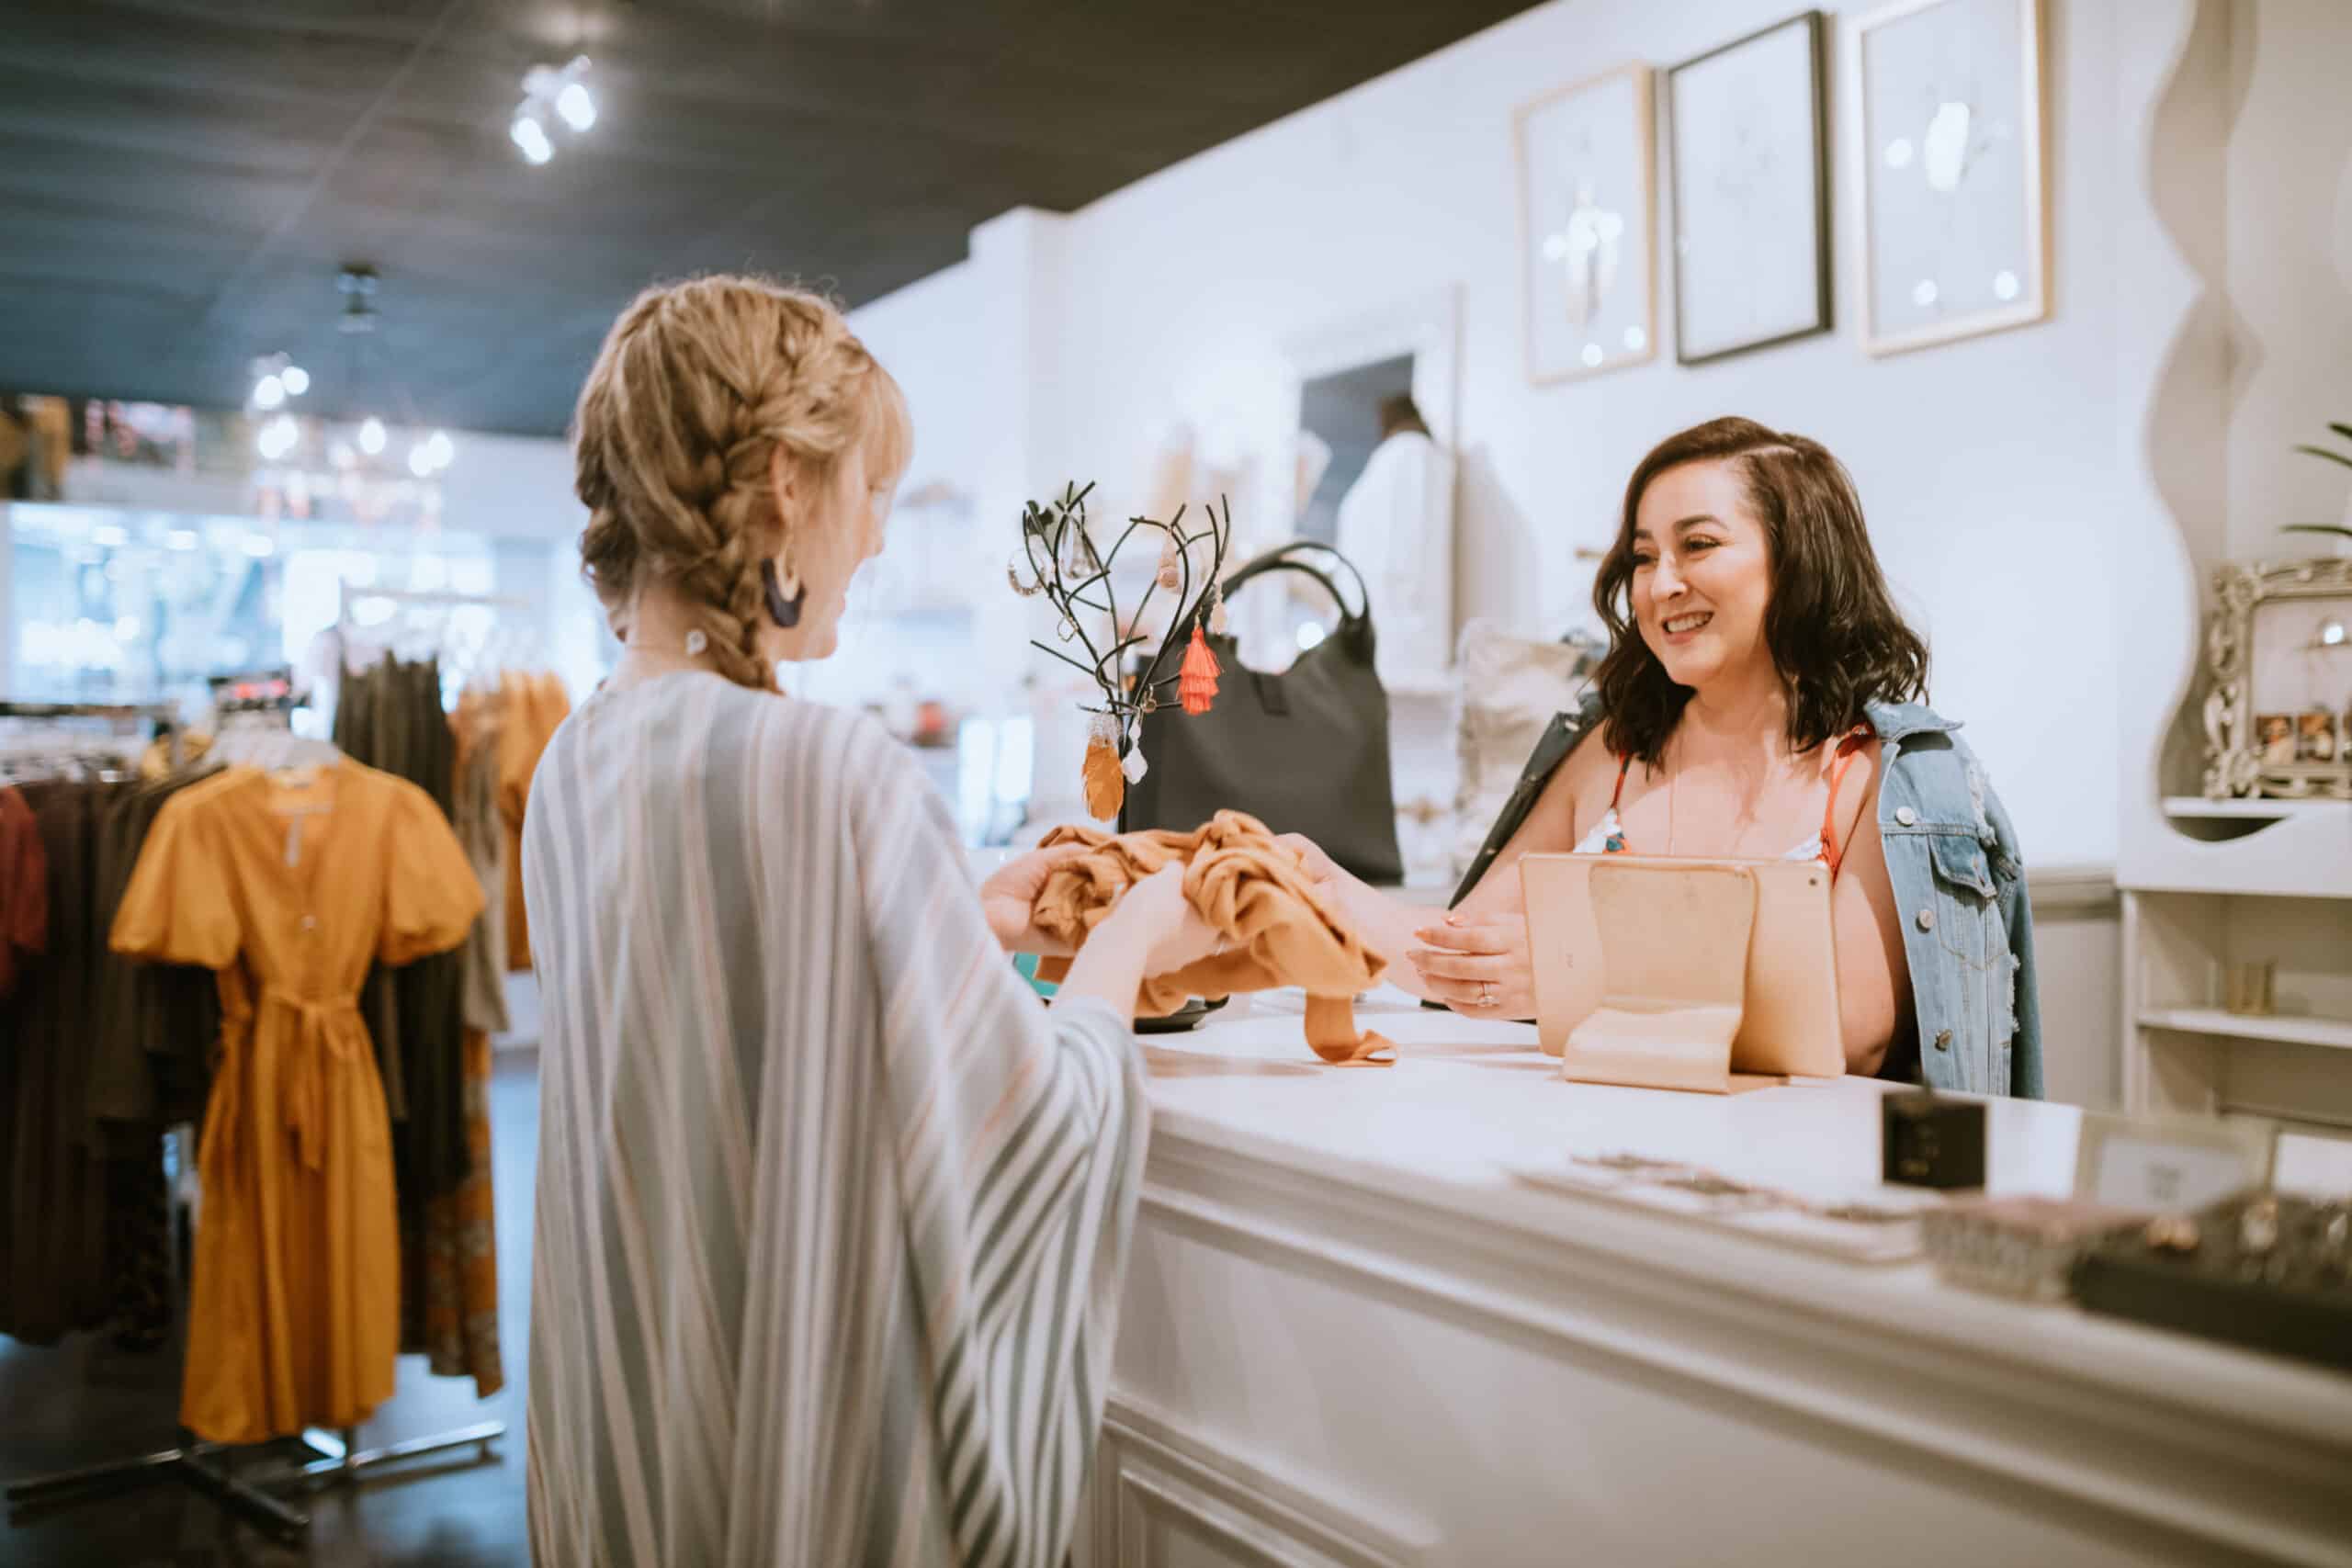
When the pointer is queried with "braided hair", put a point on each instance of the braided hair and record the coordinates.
(696, 387)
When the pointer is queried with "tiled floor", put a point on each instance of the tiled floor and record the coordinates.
(86, 1403)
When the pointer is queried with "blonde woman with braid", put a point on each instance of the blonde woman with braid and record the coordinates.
(831, 1214)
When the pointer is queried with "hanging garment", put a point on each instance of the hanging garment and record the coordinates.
(483, 831)
(1280, 929)
(157, 1028)
(360, 735)
(157, 1024)
(452, 1276)
(535, 706)
(295, 1313)
(24, 888)
(53, 1276)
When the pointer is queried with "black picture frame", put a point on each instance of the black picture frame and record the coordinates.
(1816, 54)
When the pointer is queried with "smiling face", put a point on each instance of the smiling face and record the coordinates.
(1703, 573)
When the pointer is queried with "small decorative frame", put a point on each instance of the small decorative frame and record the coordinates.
(2235, 764)
(1749, 126)
(1952, 168)
(1588, 200)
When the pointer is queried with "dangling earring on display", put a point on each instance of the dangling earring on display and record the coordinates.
(784, 608)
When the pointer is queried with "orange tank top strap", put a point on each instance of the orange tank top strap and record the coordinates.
(1859, 737)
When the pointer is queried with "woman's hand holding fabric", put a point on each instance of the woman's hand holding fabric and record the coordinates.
(1175, 933)
(1010, 894)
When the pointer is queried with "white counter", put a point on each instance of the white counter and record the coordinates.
(1351, 1335)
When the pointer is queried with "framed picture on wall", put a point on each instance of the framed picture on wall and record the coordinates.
(1747, 127)
(1950, 166)
(1587, 193)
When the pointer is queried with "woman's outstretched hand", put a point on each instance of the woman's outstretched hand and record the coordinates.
(1009, 897)
(1479, 966)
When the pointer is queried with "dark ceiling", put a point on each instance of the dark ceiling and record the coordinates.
(181, 180)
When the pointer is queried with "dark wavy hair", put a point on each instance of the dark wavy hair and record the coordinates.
(1832, 626)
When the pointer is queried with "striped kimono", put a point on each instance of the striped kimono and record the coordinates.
(831, 1214)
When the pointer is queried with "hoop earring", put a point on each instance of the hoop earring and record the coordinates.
(783, 610)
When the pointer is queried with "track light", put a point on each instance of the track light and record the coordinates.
(552, 94)
(275, 379)
(578, 110)
(530, 135)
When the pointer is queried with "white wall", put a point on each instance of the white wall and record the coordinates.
(1989, 469)
(2290, 269)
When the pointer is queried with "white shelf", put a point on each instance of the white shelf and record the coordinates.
(2265, 810)
(2335, 1033)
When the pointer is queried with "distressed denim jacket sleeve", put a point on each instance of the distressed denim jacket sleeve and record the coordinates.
(1958, 878)
(1959, 881)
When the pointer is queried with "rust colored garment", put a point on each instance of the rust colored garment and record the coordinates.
(24, 888)
(1281, 931)
(533, 705)
(454, 1274)
(294, 1316)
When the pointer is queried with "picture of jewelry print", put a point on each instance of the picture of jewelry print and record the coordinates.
(1586, 197)
(1951, 170)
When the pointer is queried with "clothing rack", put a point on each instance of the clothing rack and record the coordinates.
(323, 1458)
(163, 717)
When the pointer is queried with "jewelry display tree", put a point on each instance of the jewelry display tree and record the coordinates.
(1058, 558)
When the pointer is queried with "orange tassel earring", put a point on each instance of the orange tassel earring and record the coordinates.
(1196, 680)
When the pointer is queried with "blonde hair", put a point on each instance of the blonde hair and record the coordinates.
(698, 386)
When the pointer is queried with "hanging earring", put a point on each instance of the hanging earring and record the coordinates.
(1013, 569)
(784, 608)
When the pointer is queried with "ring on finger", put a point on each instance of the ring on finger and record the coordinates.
(1486, 993)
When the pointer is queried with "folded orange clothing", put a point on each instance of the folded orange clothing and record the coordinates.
(1279, 929)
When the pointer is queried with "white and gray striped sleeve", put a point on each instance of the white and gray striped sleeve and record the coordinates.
(1020, 1139)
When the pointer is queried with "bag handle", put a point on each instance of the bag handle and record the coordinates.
(1280, 559)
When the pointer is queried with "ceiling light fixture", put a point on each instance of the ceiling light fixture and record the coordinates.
(551, 95)
(530, 135)
(275, 379)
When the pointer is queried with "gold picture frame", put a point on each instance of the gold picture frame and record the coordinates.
(2237, 762)
(1963, 284)
(1606, 127)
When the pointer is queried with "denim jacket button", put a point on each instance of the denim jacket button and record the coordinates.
(1943, 1039)
(1906, 816)
(1926, 920)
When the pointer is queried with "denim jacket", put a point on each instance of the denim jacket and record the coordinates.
(1959, 883)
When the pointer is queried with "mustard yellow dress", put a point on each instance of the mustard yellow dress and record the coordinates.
(289, 888)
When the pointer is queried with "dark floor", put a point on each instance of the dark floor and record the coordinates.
(86, 1404)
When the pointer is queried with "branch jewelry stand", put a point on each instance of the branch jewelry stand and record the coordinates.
(1058, 558)
(335, 1457)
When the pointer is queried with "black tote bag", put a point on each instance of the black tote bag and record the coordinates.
(1304, 751)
